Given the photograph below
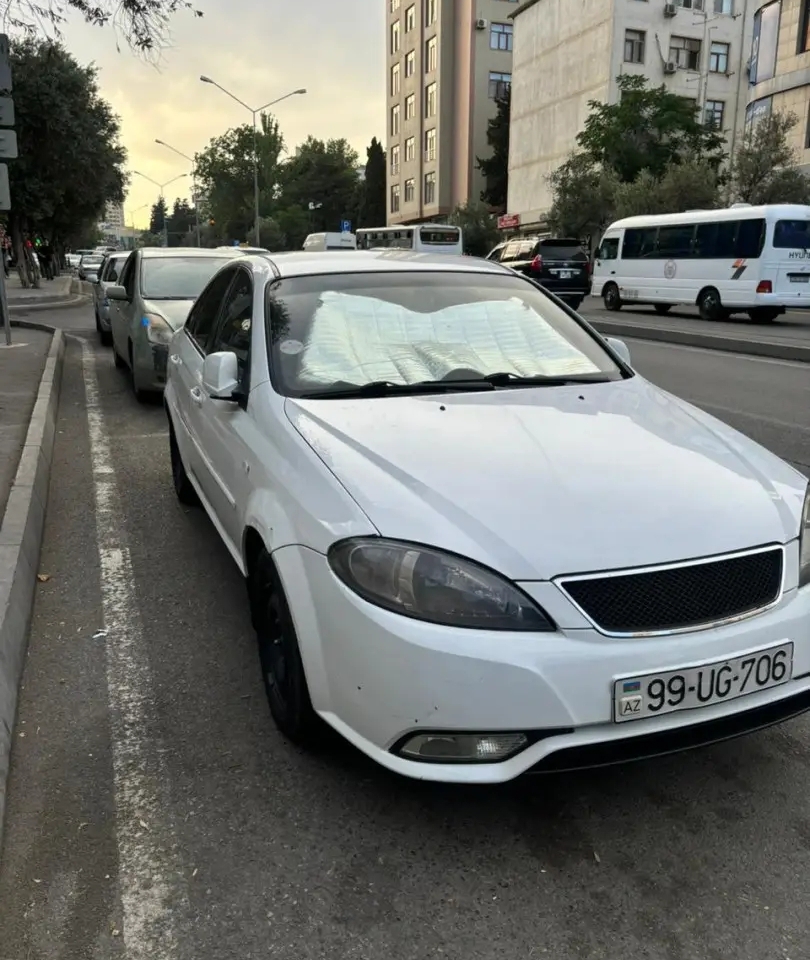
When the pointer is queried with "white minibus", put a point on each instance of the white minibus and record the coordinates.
(743, 259)
(330, 241)
(421, 238)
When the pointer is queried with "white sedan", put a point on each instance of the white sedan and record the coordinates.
(476, 542)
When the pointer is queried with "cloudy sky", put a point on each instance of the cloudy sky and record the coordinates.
(257, 49)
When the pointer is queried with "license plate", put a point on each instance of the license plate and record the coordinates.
(566, 274)
(799, 277)
(636, 698)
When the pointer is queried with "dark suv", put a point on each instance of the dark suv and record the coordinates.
(562, 266)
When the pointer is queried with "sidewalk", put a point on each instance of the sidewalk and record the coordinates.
(49, 291)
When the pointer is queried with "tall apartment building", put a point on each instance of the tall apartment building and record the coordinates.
(567, 54)
(779, 68)
(447, 62)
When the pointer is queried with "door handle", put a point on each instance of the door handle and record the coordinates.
(197, 396)
(176, 360)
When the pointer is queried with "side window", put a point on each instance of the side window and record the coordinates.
(675, 241)
(717, 241)
(204, 313)
(640, 243)
(125, 277)
(233, 329)
(609, 249)
(510, 251)
(750, 238)
(495, 255)
(113, 270)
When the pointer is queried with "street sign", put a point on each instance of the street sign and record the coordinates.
(6, 112)
(5, 192)
(8, 145)
(509, 221)
(345, 226)
(5, 65)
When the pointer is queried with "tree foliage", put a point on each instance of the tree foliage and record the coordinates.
(690, 185)
(325, 174)
(372, 209)
(70, 159)
(479, 227)
(765, 169)
(495, 168)
(157, 219)
(649, 128)
(584, 197)
(144, 24)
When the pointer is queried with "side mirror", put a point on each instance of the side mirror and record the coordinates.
(620, 348)
(117, 292)
(220, 375)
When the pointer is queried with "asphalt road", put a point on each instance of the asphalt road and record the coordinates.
(149, 782)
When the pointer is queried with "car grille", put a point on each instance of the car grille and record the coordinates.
(679, 598)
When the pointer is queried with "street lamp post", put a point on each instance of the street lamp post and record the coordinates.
(161, 187)
(193, 183)
(254, 113)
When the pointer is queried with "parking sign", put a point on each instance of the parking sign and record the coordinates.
(345, 226)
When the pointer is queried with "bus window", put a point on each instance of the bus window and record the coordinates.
(750, 238)
(639, 243)
(443, 236)
(717, 241)
(791, 234)
(675, 242)
(609, 249)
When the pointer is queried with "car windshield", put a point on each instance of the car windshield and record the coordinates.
(177, 278)
(344, 331)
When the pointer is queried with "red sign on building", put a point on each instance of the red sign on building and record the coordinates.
(509, 221)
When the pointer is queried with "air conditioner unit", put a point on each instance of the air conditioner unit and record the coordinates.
(481, 24)
(670, 10)
(670, 67)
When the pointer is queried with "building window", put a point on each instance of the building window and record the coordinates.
(394, 6)
(410, 18)
(395, 158)
(499, 84)
(500, 36)
(395, 37)
(685, 52)
(804, 27)
(431, 12)
(410, 63)
(410, 106)
(430, 100)
(431, 54)
(395, 198)
(634, 46)
(430, 144)
(410, 190)
(410, 149)
(724, 6)
(713, 114)
(430, 188)
(395, 120)
(395, 75)
(690, 4)
(718, 57)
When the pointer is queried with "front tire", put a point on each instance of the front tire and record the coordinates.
(612, 298)
(142, 396)
(279, 654)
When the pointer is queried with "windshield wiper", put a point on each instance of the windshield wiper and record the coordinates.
(515, 380)
(386, 388)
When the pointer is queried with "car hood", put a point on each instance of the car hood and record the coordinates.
(541, 482)
(175, 311)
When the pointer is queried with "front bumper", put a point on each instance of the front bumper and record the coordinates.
(378, 677)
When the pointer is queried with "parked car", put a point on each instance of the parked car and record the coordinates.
(561, 265)
(150, 302)
(89, 267)
(109, 275)
(476, 541)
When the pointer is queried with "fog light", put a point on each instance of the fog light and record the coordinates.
(463, 747)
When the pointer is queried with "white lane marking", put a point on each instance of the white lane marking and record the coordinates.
(714, 352)
(154, 895)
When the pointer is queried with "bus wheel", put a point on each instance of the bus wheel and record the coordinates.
(662, 308)
(611, 297)
(764, 314)
(709, 305)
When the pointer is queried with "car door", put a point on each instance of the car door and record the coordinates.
(120, 310)
(186, 396)
(224, 424)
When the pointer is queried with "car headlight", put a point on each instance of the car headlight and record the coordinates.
(426, 584)
(804, 542)
(157, 329)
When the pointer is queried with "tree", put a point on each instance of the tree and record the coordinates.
(478, 226)
(495, 168)
(583, 198)
(690, 185)
(181, 225)
(143, 23)
(372, 208)
(70, 161)
(157, 220)
(225, 176)
(649, 128)
(322, 179)
(764, 169)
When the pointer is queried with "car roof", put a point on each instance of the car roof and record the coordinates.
(203, 252)
(310, 263)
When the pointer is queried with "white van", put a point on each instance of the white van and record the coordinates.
(330, 241)
(421, 238)
(743, 259)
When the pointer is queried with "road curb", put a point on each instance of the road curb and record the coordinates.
(754, 348)
(47, 304)
(20, 541)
